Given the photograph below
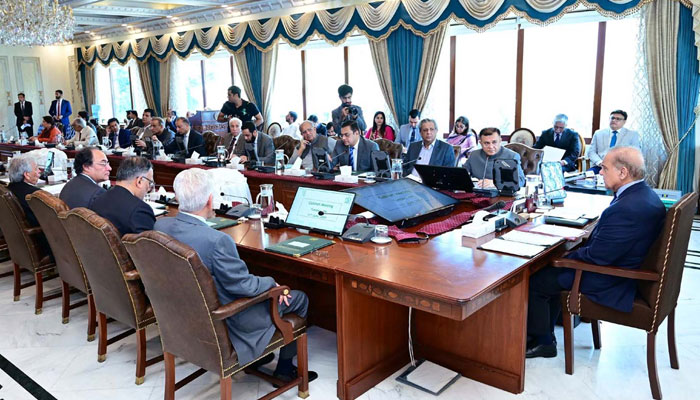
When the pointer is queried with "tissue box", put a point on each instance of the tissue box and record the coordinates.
(194, 161)
(295, 172)
(346, 178)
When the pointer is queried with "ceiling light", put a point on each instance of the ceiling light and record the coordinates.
(87, 31)
(169, 16)
(35, 23)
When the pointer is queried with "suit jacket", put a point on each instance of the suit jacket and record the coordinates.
(21, 190)
(622, 237)
(80, 191)
(568, 141)
(266, 149)
(404, 135)
(128, 213)
(337, 116)
(443, 154)
(123, 138)
(135, 123)
(195, 142)
(341, 154)
(600, 143)
(66, 111)
(321, 142)
(28, 112)
(166, 137)
(250, 331)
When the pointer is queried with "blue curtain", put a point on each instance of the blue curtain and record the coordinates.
(154, 72)
(687, 86)
(253, 58)
(405, 58)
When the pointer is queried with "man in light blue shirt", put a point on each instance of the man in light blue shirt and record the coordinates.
(605, 139)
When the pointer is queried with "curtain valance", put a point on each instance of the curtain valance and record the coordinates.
(375, 20)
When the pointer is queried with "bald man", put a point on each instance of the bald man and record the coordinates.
(622, 237)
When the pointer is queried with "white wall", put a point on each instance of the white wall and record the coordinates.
(54, 74)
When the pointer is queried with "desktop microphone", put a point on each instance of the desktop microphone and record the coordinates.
(326, 166)
(358, 233)
(241, 210)
(495, 206)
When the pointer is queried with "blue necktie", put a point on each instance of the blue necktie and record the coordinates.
(352, 158)
(613, 139)
(557, 136)
(413, 135)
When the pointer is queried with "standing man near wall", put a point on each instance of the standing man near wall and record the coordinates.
(23, 112)
(60, 110)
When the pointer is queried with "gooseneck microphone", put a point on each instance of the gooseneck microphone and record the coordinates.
(241, 210)
(236, 196)
(360, 233)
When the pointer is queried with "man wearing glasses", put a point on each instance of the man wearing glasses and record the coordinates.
(123, 204)
(615, 136)
(91, 167)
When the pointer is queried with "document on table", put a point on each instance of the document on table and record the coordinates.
(531, 238)
(158, 209)
(552, 153)
(515, 248)
(556, 230)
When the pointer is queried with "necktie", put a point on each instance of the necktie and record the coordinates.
(557, 136)
(413, 135)
(613, 139)
(614, 199)
(58, 107)
(22, 107)
(352, 158)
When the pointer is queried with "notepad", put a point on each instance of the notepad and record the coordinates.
(299, 246)
(221, 223)
(531, 238)
(556, 230)
(514, 248)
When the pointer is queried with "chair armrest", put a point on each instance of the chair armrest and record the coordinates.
(132, 275)
(236, 306)
(33, 231)
(607, 270)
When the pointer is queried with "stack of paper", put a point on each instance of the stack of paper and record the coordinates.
(531, 238)
(515, 248)
(560, 231)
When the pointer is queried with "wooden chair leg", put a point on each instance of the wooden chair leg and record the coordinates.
(65, 306)
(169, 375)
(140, 355)
(92, 318)
(102, 342)
(303, 366)
(672, 339)
(226, 392)
(651, 366)
(18, 282)
(595, 329)
(39, 277)
(567, 319)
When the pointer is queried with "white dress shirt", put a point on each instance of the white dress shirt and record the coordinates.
(86, 137)
(292, 130)
(424, 156)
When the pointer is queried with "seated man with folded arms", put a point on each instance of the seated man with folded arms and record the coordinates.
(353, 149)
(250, 331)
(622, 237)
(480, 161)
(123, 204)
(310, 139)
(561, 137)
(429, 150)
(91, 166)
(84, 135)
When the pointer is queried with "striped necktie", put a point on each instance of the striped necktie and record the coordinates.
(352, 158)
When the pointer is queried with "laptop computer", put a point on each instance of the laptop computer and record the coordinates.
(448, 178)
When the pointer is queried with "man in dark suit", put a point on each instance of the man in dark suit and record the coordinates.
(24, 174)
(160, 132)
(186, 141)
(133, 120)
(24, 112)
(429, 151)
(119, 137)
(256, 146)
(123, 204)
(564, 138)
(353, 149)
(622, 237)
(310, 139)
(409, 133)
(60, 109)
(91, 166)
(250, 331)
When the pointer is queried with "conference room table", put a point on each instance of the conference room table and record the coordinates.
(469, 306)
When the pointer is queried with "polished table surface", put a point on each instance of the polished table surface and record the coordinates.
(469, 305)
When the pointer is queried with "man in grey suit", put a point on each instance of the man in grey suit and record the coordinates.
(607, 138)
(250, 331)
(409, 133)
(310, 139)
(256, 146)
(480, 161)
(347, 111)
(91, 166)
(353, 149)
(429, 151)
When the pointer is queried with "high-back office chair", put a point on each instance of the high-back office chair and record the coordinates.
(394, 150)
(524, 136)
(274, 130)
(26, 247)
(582, 163)
(286, 143)
(659, 283)
(115, 283)
(530, 158)
(211, 140)
(191, 318)
(46, 208)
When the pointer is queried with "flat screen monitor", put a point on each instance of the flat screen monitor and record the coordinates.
(321, 210)
(449, 178)
(401, 200)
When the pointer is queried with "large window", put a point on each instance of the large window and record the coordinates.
(325, 71)
(118, 89)
(363, 78)
(437, 106)
(287, 92)
(217, 79)
(559, 65)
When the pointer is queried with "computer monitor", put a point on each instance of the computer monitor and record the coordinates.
(448, 178)
(324, 211)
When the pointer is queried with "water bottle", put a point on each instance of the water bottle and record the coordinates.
(396, 169)
(279, 162)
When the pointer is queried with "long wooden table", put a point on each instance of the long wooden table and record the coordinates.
(469, 306)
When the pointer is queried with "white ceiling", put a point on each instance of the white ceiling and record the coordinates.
(100, 19)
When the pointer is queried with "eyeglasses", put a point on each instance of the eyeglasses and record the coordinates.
(102, 163)
(151, 184)
(617, 119)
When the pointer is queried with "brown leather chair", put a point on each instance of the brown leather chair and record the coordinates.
(524, 136)
(115, 283)
(211, 140)
(530, 159)
(4, 254)
(394, 150)
(582, 163)
(46, 208)
(191, 318)
(286, 143)
(457, 150)
(659, 283)
(26, 250)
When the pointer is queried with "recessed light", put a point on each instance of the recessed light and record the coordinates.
(169, 16)
(123, 24)
(87, 31)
